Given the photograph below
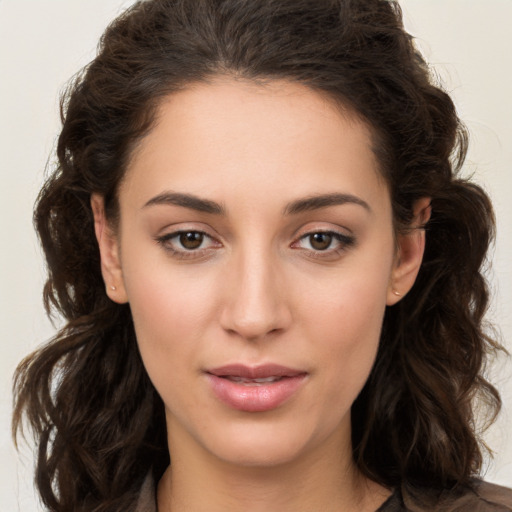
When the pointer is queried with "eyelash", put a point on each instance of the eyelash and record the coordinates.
(344, 241)
(165, 242)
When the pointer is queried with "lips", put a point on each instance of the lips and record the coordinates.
(252, 382)
(255, 389)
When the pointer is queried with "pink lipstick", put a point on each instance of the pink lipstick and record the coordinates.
(255, 389)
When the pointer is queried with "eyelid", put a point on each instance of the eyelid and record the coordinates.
(177, 228)
(164, 240)
(344, 242)
(341, 237)
(310, 228)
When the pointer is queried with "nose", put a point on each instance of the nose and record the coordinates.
(256, 302)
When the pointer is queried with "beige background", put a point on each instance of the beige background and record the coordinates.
(43, 42)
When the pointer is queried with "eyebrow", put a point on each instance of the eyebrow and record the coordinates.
(311, 203)
(317, 202)
(187, 201)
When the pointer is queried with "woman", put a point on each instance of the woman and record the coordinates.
(269, 268)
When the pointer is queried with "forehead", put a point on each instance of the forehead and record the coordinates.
(239, 136)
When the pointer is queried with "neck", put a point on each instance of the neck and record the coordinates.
(327, 481)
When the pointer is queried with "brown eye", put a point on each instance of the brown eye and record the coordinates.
(320, 241)
(191, 240)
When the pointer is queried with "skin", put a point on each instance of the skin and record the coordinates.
(258, 290)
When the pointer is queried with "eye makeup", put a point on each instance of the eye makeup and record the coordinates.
(197, 244)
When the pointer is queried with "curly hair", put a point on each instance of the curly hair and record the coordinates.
(97, 419)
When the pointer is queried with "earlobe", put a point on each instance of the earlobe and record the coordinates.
(109, 252)
(411, 246)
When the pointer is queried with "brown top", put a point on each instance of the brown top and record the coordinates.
(480, 497)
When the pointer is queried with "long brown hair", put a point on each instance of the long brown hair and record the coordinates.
(97, 419)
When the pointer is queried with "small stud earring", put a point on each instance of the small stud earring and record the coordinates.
(113, 288)
(398, 294)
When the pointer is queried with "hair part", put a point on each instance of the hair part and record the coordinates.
(98, 420)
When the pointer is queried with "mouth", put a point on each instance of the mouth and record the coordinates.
(255, 373)
(252, 382)
(255, 389)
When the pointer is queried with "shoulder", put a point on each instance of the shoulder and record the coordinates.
(480, 496)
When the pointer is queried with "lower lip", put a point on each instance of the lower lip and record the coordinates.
(255, 398)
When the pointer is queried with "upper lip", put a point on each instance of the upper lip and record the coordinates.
(255, 372)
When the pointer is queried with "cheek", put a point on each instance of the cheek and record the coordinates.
(170, 310)
(343, 318)
(167, 298)
(348, 361)
(351, 329)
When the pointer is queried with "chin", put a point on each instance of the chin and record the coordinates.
(263, 445)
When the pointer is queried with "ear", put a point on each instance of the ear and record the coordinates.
(109, 252)
(410, 249)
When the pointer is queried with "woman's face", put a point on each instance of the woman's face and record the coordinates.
(256, 251)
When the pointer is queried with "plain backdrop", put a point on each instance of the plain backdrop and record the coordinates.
(43, 42)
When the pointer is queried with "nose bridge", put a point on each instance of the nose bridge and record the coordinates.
(255, 304)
